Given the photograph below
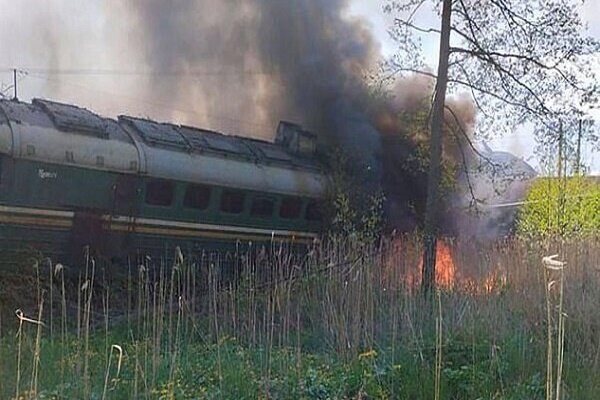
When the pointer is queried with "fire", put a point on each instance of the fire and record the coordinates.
(447, 276)
(445, 271)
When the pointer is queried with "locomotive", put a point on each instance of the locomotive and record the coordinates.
(71, 179)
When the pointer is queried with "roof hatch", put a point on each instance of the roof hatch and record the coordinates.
(157, 134)
(69, 118)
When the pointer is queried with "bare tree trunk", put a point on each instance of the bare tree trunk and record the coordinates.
(435, 155)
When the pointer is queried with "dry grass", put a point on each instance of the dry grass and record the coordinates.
(137, 335)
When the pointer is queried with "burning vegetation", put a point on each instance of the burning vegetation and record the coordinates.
(345, 319)
(453, 272)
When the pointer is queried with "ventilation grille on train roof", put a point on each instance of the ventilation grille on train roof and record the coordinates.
(205, 140)
(185, 138)
(155, 133)
(71, 118)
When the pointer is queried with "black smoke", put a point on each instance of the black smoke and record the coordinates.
(266, 60)
(301, 60)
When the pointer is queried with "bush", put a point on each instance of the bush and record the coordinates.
(563, 207)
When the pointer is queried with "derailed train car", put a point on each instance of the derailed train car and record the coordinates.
(70, 178)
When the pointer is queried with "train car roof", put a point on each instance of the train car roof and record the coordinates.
(47, 130)
(64, 117)
(202, 141)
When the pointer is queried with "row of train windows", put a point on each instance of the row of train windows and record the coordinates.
(161, 193)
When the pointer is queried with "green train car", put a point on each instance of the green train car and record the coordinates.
(70, 178)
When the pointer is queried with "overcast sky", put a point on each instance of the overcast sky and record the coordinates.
(28, 31)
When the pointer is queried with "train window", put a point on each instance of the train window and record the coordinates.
(159, 192)
(232, 201)
(197, 197)
(314, 211)
(262, 207)
(290, 207)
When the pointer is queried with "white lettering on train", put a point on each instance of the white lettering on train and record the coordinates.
(43, 174)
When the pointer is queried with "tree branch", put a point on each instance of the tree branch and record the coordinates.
(412, 14)
(474, 200)
(482, 54)
(472, 87)
(398, 68)
(467, 138)
(400, 21)
(473, 95)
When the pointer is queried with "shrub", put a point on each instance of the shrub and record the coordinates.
(563, 207)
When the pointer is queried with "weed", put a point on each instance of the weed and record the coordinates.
(339, 322)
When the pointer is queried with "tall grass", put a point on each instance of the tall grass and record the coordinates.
(343, 320)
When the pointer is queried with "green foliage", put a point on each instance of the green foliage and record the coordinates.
(345, 215)
(340, 333)
(355, 205)
(230, 369)
(564, 207)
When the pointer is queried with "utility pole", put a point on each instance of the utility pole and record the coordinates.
(562, 178)
(578, 157)
(559, 167)
(15, 83)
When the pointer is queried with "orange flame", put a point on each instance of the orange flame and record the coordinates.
(445, 270)
(446, 274)
(493, 283)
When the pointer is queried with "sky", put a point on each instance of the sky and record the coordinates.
(520, 143)
(28, 32)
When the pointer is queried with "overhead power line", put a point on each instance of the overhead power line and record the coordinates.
(168, 107)
(123, 72)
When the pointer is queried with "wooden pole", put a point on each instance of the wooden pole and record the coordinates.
(15, 83)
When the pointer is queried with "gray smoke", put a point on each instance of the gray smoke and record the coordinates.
(498, 181)
(302, 60)
(237, 66)
(266, 60)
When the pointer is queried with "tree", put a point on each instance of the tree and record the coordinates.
(350, 210)
(522, 61)
(568, 207)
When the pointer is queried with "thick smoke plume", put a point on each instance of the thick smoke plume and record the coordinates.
(265, 60)
(303, 60)
(241, 66)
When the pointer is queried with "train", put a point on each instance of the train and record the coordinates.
(72, 180)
